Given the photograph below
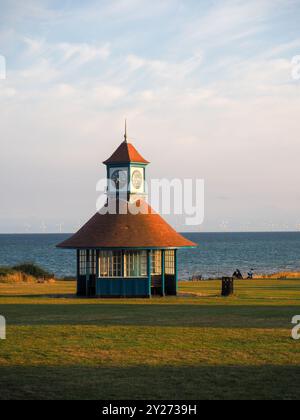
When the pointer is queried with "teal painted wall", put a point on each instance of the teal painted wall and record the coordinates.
(122, 287)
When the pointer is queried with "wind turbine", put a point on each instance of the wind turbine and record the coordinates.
(43, 227)
(27, 227)
(60, 226)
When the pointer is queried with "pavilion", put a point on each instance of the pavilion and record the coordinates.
(124, 253)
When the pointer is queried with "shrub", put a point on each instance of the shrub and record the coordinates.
(33, 270)
(6, 271)
(17, 278)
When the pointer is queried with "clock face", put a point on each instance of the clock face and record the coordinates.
(137, 180)
(119, 178)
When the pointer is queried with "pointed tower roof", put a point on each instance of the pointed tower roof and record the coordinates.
(126, 153)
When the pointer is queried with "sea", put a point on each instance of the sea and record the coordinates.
(218, 254)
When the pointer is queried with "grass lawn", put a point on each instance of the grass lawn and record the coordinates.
(197, 346)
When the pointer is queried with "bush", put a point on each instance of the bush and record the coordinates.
(33, 270)
(6, 271)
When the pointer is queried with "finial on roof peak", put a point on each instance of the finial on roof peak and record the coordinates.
(125, 135)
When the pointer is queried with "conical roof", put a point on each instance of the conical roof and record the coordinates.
(146, 229)
(126, 153)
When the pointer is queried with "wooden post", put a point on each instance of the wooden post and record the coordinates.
(149, 271)
(163, 273)
(97, 269)
(123, 264)
(176, 269)
(87, 271)
(123, 273)
(78, 270)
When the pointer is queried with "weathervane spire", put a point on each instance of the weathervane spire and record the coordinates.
(125, 135)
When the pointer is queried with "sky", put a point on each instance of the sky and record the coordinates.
(206, 87)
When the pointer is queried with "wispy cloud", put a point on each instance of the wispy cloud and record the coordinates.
(16, 11)
(80, 53)
(83, 53)
(208, 80)
(229, 18)
(284, 48)
(164, 69)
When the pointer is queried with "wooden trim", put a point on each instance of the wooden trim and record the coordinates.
(133, 248)
(123, 264)
(78, 270)
(87, 271)
(149, 271)
(97, 269)
(163, 283)
(97, 263)
(176, 270)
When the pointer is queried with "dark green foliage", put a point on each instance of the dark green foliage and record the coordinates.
(33, 270)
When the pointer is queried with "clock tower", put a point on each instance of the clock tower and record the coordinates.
(127, 253)
(126, 173)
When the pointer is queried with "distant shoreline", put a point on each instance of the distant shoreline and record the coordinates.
(183, 233)
(276, 276)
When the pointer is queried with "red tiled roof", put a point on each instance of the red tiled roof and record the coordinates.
(127, 231)
(126, 153)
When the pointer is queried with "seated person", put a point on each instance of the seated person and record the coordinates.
(237, 274)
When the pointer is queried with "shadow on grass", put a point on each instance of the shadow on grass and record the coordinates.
(175, 315)
(146, 382)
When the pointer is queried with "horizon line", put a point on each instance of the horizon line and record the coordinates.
(182, 232)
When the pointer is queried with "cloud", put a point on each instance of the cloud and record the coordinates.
(108, 94)
(7, 92)
(206, 92)
(34, 45)
(43, 63)
(227, 18)
(233, 21)
(82, 53)
(42, 71)
(16, 12)
(282, 49)
(165, 69)
(125, 10)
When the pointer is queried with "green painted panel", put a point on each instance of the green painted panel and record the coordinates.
(122, 287)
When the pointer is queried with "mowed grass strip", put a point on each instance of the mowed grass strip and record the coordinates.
(198, 346)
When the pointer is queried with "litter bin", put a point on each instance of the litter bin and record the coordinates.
(227, 286)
